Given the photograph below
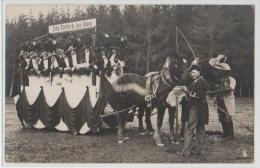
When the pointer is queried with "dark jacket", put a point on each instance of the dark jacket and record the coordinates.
(197, 98)
(83, 58)
(46, 70)
(198, 90)
(24, 71)
(62, 63)
(35, 71)
(100, 64)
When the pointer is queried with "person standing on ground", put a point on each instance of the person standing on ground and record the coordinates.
(221, 92)
(198, 112)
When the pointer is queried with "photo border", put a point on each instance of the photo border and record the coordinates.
(133, 2)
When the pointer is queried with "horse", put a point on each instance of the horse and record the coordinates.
(133, 89)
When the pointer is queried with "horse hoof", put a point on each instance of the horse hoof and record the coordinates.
(146, 133)
(160, 144)
(126, 138)
(175, 142)
(142, 133)
(120, 141)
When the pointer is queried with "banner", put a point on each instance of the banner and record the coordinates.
(73, 26)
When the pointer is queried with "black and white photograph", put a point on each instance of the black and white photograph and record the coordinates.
(100, 83)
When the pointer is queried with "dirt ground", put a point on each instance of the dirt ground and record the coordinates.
(42, 146)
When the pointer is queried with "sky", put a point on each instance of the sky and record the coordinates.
(13, 11)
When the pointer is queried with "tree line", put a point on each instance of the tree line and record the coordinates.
(152, 36)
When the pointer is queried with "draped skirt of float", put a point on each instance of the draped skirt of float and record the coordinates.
(64, 104)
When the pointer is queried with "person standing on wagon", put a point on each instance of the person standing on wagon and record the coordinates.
(25, 64)
(73, 50)
(85, 54)
(86, 67)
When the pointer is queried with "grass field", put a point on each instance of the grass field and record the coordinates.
(42, 146)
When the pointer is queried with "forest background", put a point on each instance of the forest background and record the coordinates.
(152, 36)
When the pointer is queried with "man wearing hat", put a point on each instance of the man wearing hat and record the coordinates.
(102, 62)
(37, 64)
(55, 68)
(85, 54)
(25, 64)
(72, 51)
(64, 60)
(65, 65)
(46, 64)
(198, 113)
(86, 60)
(36, 59)
(86, 67)
(113, 57)
(222, 93)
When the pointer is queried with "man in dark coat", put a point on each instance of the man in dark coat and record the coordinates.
(73, 54)
(25, 66)
(64, 60)
(198, 111)
(86, 62)
(46, 63)
(85, 52)
(221, 92)
(36, 63)
(103, 62)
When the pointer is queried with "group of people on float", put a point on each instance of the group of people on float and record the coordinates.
(70, 58)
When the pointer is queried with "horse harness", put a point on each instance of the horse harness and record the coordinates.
(152, 84)
(151, 87)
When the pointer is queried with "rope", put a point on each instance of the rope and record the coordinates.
(177, 29)
(117, 112)
(144, 115)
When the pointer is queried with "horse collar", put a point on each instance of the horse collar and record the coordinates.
(165, 79)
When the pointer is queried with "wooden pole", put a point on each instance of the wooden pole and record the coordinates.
(50, 77)
(176, 117)
(13, 74)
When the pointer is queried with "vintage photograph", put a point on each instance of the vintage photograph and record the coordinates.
(142, 83)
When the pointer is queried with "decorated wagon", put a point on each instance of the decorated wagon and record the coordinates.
(60, 77)
(68, 83)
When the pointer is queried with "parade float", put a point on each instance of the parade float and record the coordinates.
(65, 98)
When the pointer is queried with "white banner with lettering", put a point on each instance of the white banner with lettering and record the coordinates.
(73, 26)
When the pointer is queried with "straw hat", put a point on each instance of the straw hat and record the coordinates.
(219, 63)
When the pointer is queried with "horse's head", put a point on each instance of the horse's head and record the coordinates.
(172, 74)
(177, 67)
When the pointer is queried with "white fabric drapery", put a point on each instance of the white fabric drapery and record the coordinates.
(52, 94)
(74, 91)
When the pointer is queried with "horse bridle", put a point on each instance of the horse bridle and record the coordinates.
(167, 81)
